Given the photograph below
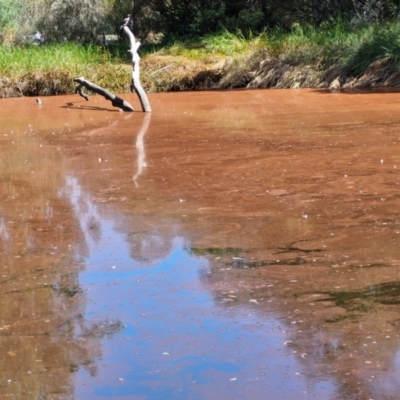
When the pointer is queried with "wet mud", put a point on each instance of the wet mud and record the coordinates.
(240, 244)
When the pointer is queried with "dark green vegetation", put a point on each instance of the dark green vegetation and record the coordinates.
(383, 293)
(215, 251)
(235, 259)
(83, 20)
(366, 300)
(201, 44)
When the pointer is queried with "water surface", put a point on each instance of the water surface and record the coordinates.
(240, 244)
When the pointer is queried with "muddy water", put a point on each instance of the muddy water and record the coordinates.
(229, 245)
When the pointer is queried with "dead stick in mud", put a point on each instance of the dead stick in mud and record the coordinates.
(115, 100)
(136, 85)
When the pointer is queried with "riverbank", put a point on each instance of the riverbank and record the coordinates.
(337, 56)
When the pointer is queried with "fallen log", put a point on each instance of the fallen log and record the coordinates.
(115, 100)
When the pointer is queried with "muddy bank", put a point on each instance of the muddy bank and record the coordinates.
(262, 71)
(177, 74)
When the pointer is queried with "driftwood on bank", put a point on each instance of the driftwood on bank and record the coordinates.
(136, 85)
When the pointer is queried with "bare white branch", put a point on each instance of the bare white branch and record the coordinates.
(136, 84)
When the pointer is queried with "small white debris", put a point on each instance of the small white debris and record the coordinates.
(253, 301)
(121, 379)
(233, 379)
(165, 353)
(287, 342)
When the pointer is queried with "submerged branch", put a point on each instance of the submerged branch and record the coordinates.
(79, 90)
(115, 100)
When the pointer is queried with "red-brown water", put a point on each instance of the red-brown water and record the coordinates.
(240, 244)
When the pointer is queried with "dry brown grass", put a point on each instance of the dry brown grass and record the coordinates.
(259, 70)
(175, 73)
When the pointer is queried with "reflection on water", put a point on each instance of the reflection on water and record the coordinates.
(255, 256)
(141, 154)
(176, 342)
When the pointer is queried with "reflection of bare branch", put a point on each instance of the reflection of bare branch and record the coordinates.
(141, 156)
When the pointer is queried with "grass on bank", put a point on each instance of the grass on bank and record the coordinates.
(353, 48)
(50, 69)
(18, 61)
(201, 63)
(307, 56)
